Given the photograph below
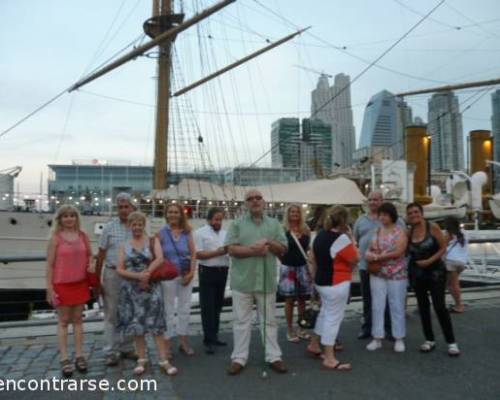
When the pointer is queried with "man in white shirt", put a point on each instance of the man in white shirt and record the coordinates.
(212, 271)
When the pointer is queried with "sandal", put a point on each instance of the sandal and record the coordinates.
(66, 368)
(292, 337)
(186, 350)
(455, 310)
(340, 366)
(303, 334)
(168, 368)
(141, 366)
(112, 360)
(313, 353)
(81, 364)
(427, 346)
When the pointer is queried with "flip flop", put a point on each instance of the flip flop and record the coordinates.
(453, 310)
(315, 354)
(338, 366)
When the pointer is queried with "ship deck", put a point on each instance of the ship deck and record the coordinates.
(29, 351)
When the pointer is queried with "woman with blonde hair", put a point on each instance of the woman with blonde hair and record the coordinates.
(333, 255)
(140, 305)
(295, 282)
(68, 262)
(177, 243)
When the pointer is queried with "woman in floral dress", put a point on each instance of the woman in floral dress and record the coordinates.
(140, 306)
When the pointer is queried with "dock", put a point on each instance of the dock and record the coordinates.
(29, 351)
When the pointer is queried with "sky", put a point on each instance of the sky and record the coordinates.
(46, 46)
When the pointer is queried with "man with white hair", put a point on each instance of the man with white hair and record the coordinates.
(254, 241)
(114, 234)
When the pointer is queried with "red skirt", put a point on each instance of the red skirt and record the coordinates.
(71, 294)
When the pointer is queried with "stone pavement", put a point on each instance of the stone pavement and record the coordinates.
(379, 375)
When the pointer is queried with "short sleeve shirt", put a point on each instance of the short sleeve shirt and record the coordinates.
(364, 230)
(114, 234)
(254, 274)
(207, 239)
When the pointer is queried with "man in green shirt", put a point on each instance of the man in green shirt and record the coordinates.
(254, 241)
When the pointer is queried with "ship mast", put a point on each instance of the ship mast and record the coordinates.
(162, 20)
(163, 27)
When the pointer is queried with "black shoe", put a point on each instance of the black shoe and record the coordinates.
(220, 343)
(209, 349)
(364, 335)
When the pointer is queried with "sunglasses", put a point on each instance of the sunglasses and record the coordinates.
(252, 198)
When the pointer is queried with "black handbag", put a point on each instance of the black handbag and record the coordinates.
(308, 320)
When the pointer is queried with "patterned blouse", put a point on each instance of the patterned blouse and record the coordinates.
(396, 268)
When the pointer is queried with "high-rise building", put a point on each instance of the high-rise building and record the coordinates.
(308, 148)
(445, 128)
(384, 123)
(495, 132)
(285, 138)
(332, 105)
(404, 118)
(317, 135)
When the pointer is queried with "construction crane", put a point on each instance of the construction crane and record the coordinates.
(313, 71)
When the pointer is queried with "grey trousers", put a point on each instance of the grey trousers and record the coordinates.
(114, 342)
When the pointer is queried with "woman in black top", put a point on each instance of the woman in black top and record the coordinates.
(426, 247)
(295, 278)
(333, 254)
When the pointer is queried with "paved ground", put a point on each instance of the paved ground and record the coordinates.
(380, 375)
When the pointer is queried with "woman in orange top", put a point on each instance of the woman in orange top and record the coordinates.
(68, 259)
(334, 253)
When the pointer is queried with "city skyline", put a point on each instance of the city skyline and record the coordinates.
(113, 118)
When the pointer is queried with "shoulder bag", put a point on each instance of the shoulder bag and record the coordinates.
(166, 271)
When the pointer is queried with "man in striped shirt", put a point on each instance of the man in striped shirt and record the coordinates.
(114, 234)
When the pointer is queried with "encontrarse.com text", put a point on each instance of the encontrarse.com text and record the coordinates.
(76, 385)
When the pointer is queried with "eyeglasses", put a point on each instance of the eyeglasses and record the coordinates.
(252, 198)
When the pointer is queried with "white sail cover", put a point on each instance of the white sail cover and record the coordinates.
(322, 191)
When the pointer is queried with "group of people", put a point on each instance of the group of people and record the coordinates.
(313, 261)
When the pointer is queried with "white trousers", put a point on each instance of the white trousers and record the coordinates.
(242, 325)
(395, 291)
(114, 341)
(333, 304)
(174, 290)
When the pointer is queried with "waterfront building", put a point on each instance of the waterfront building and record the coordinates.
(445, 128)
(338, 114)
(93, 185)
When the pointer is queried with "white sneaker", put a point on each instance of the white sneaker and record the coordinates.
(375, 344)
(453, 350)
(399, 346)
